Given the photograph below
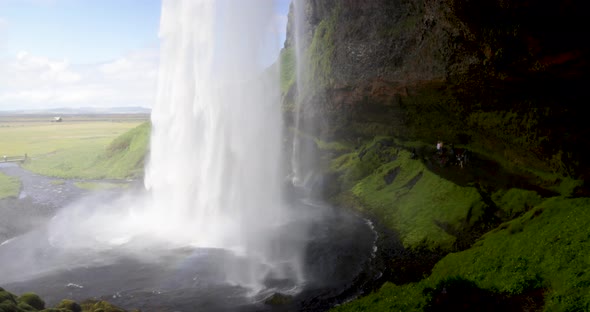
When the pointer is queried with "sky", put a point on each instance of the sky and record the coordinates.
(87, 53)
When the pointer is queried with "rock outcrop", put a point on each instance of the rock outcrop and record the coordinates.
(506, 78)
(483, 220)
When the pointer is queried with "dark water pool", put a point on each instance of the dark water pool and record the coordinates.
(339, 251)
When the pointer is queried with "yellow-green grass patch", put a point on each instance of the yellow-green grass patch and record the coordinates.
(89, 149)
(9, 186)
(39, 139)
(96, 186)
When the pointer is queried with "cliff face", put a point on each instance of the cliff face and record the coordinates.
(381, 81)
(505, 78)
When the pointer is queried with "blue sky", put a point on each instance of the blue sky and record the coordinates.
(72, 53)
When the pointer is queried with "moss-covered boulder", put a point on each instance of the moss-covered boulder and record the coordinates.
(99, 306)
(32, 300)
(7, 297)
(69, 305)
(26, 307)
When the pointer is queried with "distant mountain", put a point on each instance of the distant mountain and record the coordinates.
(79, 110)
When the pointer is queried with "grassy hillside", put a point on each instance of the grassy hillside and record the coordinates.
(39, 138)
(119, 158)
(383, 180)
(541, 256)
(509, 244)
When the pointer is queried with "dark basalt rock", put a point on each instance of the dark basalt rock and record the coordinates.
(391, 175)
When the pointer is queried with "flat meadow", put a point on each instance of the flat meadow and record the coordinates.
(80, 146)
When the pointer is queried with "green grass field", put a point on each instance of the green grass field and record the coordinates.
(9, 186)
(78, 147)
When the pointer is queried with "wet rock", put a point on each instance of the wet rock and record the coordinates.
(414, 180)
(278, 299)
(391, 175)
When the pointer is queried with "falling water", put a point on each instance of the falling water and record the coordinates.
(211, 216)
(298, 176)
(213, 169)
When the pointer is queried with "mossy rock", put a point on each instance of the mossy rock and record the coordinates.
(8, 307)
(278, 299)
(69, 305)
(23, 306)
(7, 297)
(99, 306)
(33, 300)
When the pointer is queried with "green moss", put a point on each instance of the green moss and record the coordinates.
(552, 245)
(69, 305)
(515, 202)
(406, 25)
(390, 297)
(551, 250)
(99, 306)
(287, 68)
(567, 186)
(334, 146)
(279, 299)
(520, 129)
(320, 54)
(32, 300)
(9, 186)
(7, 297)
(352, 167)
(8, 307)
(417, 203)
(25, 307)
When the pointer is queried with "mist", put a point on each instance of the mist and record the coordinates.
(211, 206)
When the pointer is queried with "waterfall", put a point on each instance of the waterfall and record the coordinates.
(212, 183)
(300, 172)
(213, 169)
(303, 148)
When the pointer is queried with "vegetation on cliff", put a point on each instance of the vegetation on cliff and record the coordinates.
(391, 78)
(539, 260)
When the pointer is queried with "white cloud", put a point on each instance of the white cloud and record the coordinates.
(29, 67)
(135, 66)
(30, 81)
